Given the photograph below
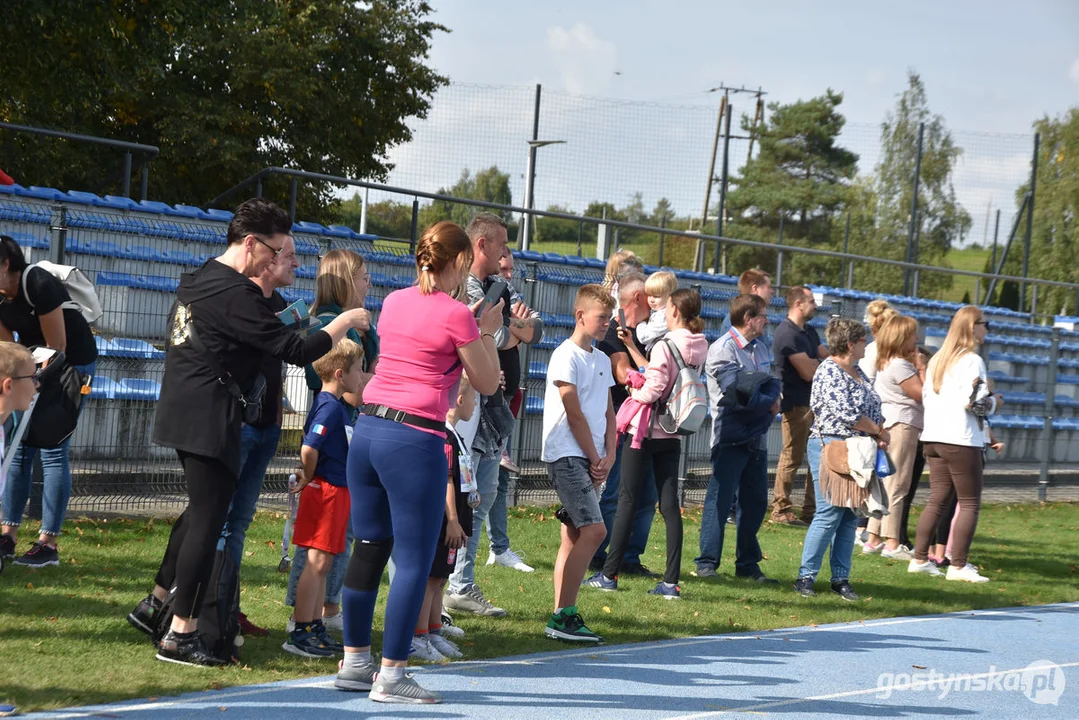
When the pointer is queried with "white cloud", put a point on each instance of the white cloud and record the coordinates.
(586, 62)
(1073, 71)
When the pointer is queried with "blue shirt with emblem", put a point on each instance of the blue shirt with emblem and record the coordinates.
(324, 431)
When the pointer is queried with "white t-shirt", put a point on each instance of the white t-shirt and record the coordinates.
(590, 371)
(868, 363)
(467, 429)
(947, 417)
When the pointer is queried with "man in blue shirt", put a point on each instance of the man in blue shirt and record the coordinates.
(744, 400)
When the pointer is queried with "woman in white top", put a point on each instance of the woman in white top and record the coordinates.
(900, 374)
(877, 313)
(957, 400)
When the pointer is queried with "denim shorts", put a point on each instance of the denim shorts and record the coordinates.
(576, 491)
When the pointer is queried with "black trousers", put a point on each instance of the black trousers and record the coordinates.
(663, 455)
(916, 476)
(189, 557)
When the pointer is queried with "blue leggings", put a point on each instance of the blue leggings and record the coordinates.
(396, 479)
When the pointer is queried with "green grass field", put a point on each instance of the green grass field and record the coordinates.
(65, 640)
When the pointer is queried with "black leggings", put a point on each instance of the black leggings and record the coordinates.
(189, 557)
(916, 476)
(664, 456)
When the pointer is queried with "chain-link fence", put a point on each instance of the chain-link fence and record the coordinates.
(135, 254)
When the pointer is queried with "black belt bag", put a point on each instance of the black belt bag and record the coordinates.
(405, 418)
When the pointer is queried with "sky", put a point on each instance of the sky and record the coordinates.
(625, 84)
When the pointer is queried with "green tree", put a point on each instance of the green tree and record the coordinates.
(801, 175)
(223, 88)
(1055, 240)
(942, 221)
(490, 185)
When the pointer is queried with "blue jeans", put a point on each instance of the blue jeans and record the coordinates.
(741, 469)
(498, 517)
(464, 572)
(334, 581)
(56, 473)
(832, 527)
(642, 519)
(257, 448)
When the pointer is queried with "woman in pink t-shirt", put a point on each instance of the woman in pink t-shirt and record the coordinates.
(397, 465)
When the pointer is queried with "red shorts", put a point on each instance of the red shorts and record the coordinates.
(322, 517)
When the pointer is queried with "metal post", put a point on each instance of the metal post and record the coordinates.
(292, 200)
(912, 250)
(127, 174)
(993, 258)
(723, 189)
(846, 245)
(916, 274)
(999, 267)
(1030, 221)
(1034, 305)
(58, 242)
(145, 182)
(662, 239)
(1050, 409)
(711, 176)
(363, 210)
(779, 256)
(518, 428)
(580, 236)
(850, 275)
(617, 244)
(530, 178)
(413, 236)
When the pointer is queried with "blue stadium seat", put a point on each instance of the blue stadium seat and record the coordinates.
(596, 263)
(537, 370)
(576, 261)
(402, 281)
(222, 215)
(531, 255)
(340, 231)
(143, 252)
(28, 240)
(307, 271)
(179, 257)
(312, 228)
(291, 295)
(133, 348)
(95, 247)
(116, 279)
(305, 247)
(190, 211)
(138, 389)
(554, 258)
(81, 197)
(372, 303)
(120, 203)
(157, 283)
(534, 405)
(103, 388)
(44, 193)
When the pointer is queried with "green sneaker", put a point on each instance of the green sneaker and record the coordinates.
(569, 625)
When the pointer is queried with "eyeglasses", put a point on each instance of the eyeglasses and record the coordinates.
(982, 322)
(34, 377)
(275, 251)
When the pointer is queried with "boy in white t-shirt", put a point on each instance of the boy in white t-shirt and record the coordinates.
(18, 384)
(579, 447)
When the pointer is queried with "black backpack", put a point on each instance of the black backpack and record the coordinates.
(219, 619)
(59, 402)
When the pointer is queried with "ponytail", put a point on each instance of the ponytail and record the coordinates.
(439, 247)
(688, 303)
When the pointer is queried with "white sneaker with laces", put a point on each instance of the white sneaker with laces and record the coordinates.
(868, 549)
(444, 646)
(422, 649)
(926, 568)
(967, 573)
(449, 629)
(334, 622)
(509, 559)
(290, 626)
(900, 553)
(473, 601)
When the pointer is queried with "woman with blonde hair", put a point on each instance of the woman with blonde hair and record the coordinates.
(877, 313)
(957, 401)
(621, 263)
(397, 465)
(900, 374)
(341, 284)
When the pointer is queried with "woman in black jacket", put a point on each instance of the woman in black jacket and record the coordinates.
(221, 328)
(36, 305)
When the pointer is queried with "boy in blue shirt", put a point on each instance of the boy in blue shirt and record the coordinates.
(322, 517)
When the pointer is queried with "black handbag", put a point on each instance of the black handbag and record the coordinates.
(251, 401)
(59, 402)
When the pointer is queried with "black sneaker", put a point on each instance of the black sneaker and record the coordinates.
(39, 556)
(142, 617)
(843, 590)
(804, 586)
(638, 570)
(7, 547)
(305, 642)
(186, 649)
(327, 639)
(761, 578)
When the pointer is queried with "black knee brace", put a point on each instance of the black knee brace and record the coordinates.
(369, 559)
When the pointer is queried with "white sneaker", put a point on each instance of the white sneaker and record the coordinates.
(473, 601)
(444, 646)
(334, 622)
(449, 629)
(509, 559)
(868, 549)
(967, 573)
(507, 464)
(926, 568)
(900, 553)
(290, 626)
(422, 649)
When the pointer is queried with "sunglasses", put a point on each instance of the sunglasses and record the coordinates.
(982, 322)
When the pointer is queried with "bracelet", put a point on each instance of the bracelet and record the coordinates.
(490, 335)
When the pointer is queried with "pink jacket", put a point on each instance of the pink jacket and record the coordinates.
(661, 371)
